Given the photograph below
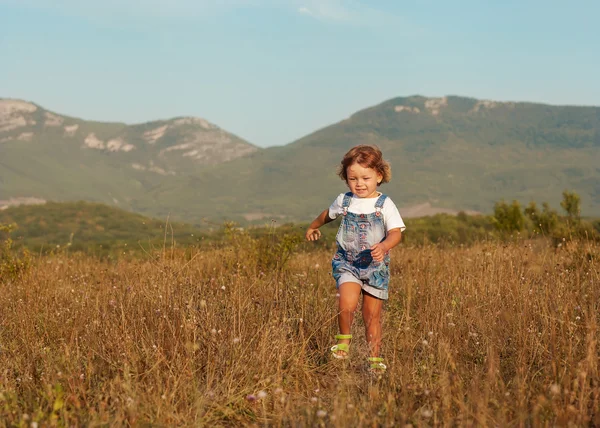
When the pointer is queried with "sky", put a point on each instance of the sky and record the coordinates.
(272, 71)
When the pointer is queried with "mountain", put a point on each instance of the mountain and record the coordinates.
(453, 153)
(447, 154)
(44, 155)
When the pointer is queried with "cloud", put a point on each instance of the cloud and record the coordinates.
(304, 11)
(348, 12)
(328, 10)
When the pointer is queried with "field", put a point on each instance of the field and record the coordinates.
(498, 334)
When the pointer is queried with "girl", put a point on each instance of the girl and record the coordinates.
(370, 228)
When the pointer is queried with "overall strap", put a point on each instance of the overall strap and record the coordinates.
(379, 204)
(346, 202)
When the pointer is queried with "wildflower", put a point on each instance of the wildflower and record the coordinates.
(321, 413)
(223, 287)
(314, 399)
(251, 398)
(34, 424)
(425, 343)
(555, 389)
(213, 331)
(261, 395)
(426, 413)
(317, 266)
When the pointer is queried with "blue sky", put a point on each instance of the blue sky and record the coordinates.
(272, 71)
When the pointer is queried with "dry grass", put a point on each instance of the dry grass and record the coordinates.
(487, 335)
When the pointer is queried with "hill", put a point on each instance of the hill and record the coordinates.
(94, 228)
(47, 156)
(452, 152)
(448, 154)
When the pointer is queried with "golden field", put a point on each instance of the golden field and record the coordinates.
(488, 335)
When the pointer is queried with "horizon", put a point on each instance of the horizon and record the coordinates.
(296, 66)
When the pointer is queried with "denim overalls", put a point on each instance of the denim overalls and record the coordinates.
(353, 261)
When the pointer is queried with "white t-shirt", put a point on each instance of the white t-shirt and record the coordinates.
(391, 216)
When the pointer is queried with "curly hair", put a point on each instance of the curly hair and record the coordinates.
(368, 157)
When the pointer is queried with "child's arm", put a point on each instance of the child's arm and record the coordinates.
(313, 233)
(391, 240)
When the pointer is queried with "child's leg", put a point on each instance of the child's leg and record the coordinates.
(348, 301)
(371, 310)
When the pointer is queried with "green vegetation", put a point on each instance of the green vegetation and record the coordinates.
(95, 229)
(571, 204)
(464, 158)
(12, 263)
(464, 154)
(543, 222)
(508, 218)
(105, 231)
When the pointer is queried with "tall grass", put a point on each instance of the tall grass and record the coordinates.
(494, 334)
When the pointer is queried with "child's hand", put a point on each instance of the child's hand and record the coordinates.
(378, 252)
(312, 234)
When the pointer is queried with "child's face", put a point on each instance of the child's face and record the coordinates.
(363, 181)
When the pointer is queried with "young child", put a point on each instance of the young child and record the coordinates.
(370, 228)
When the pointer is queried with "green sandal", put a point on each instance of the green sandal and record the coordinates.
(341, 347)
(376, 365)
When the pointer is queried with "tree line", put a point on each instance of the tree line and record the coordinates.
(511, 218)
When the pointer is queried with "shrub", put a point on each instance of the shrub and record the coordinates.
(508, 218)
(12, 264)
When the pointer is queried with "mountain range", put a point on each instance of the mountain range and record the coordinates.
(447, 154)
